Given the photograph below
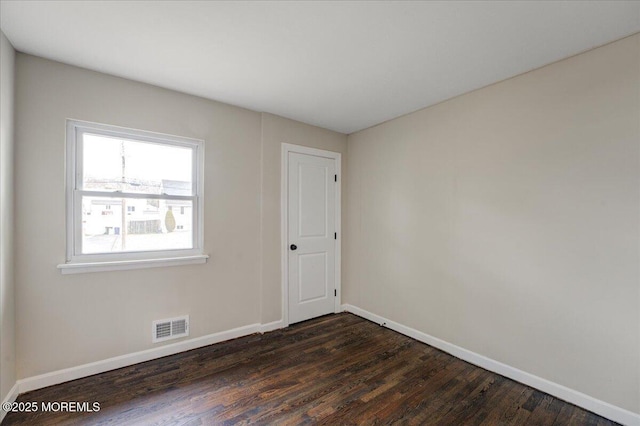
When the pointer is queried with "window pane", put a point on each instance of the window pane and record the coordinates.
(146, 224)
(116, 164)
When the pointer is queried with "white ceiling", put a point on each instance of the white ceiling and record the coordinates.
(340, 65)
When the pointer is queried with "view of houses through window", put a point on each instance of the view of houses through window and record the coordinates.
(136, 195)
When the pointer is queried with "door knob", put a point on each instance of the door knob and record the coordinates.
(293, 247)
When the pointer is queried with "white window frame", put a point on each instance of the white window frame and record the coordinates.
(77, 262)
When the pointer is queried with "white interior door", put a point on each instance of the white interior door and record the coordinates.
(312, 235)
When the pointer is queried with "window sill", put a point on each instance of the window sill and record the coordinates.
(123, 265)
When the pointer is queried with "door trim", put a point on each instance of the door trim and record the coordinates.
(284, 221)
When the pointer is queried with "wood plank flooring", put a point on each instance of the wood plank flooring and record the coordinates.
(337, 369)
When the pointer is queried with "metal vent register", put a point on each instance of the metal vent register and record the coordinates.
(171, 328)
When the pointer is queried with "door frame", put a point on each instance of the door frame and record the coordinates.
(284, 221)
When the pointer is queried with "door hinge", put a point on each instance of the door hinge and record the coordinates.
(335, 178)
(335, 235)
(335, 293)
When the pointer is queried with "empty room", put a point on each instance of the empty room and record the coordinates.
(319, 212)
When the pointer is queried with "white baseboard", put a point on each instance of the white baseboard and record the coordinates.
(73, 373)
(11, 397)
(270, 326)
(580, 399)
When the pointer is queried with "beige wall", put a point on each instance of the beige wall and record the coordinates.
(68, 320)
(7, 311)
(507, 221)
(277, 130)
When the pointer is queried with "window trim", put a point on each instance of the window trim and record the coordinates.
(78, 262)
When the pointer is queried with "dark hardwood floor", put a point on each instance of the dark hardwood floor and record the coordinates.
(338, 369)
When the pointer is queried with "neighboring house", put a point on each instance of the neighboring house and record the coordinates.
(103, 216)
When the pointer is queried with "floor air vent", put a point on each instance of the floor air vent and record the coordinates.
(171, 328)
